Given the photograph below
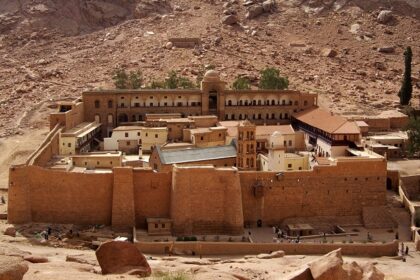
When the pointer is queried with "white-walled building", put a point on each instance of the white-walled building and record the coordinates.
(131, 139)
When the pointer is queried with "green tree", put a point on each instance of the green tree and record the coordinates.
(406, 87)
(241, 83)
(156, 84)
(120, 78)
(185, 83)
(135, 79)
(413, 132)
(172, 81)
(271, 79)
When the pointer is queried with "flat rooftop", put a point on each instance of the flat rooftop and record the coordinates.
(81, 129)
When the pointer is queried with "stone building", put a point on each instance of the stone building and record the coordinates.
(247, 155)
(111, 108)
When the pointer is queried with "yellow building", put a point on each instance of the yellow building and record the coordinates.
(278, 159)
(207, 137)
(79, 139)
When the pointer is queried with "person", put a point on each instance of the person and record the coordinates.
(406, 250)
(402, 248)
(396, 235)
(49, 230)
(274, 230)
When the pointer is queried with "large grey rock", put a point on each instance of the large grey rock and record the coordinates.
(254, 11)
(12, 268)
(118, 257)
(385, 17)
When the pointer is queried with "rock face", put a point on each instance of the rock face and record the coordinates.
(117, 257)
(385, 17)
(12, 268)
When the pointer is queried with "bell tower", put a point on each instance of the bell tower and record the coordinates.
(246, 155)
(213, 95)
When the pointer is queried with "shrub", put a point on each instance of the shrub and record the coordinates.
(271, 79)
(241, 83)
(120, 78)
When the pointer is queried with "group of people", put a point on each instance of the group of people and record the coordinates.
(279, 235)
(45, 234)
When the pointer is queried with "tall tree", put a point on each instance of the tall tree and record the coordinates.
(120, 78)
(271, 79)
(406, 87)
(135, 79)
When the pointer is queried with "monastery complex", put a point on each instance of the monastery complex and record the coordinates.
(207, 161)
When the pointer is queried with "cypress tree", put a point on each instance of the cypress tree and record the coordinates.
(406, 87)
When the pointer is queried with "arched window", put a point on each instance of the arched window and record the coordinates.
(240, 102)
(259, 102)
(296, 103)
(97, 104)
(273, 116)
(240, 116)
(110, 104)
(273, 102)
(254, 102)
(230, 103)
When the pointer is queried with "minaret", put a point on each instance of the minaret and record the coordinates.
(246, 157)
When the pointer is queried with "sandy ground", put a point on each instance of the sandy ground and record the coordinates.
(215, 267)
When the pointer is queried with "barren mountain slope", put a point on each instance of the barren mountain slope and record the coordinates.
(51, 50)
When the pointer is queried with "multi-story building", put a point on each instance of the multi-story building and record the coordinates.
(114, 107)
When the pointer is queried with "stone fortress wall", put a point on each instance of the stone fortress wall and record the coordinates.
(200, 200)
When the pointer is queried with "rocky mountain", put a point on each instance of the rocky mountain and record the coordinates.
(348, 51)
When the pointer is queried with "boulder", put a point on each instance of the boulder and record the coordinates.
(353, 270)
(10, 231)
(117, 257)
(268, 6)
(301, 274)
(370, 272)
(386, 49)
(328, 267)
(329, 53)
(12, 268)
(254, 11)
(385, 17)
(229, 19)
(35, 259)
(169, 45)
(273, 255)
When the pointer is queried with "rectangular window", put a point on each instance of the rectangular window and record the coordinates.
(126, 134)
(69, 145)
(156, 136)
(289, 165)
